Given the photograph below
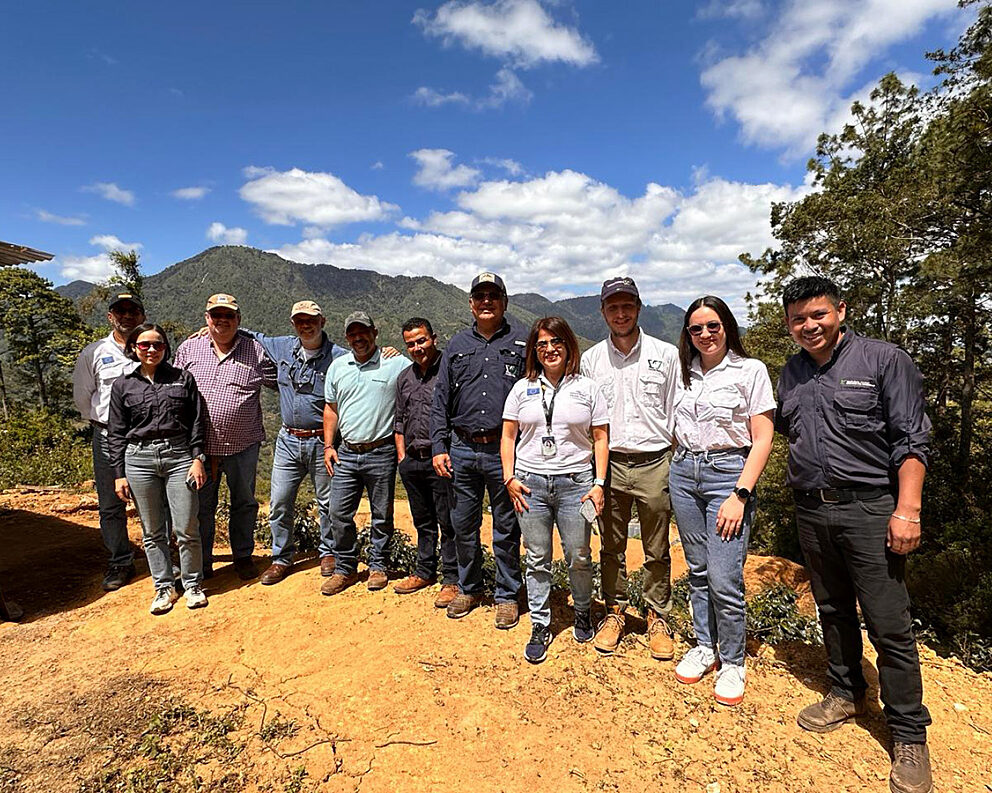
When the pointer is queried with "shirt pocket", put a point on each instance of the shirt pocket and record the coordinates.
(790, 415)
(461, 368)
(653, 390)
(513, 363)
(724, 405)
(857, 409)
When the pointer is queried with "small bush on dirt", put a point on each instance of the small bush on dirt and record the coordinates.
(39, 447)
(773, 616)
(278, 729)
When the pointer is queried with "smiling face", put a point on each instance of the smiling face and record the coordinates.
(421, 345)
(150, 348)
(711, 340)
(309, 328)
(223, 324)
(552, 353)
(361, 339)
(123, 318)
(488, 305)
(815, 325)
(621, 312)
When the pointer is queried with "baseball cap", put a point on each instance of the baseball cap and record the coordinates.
(616, 286)
(306, 307)
(482, 279)
(125, 297)
(360, 318)
(220, 300)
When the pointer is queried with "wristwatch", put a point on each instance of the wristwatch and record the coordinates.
(201, 457)
(600, 482)
(742, 493)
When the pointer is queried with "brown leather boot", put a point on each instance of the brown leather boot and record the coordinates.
(660, 638)
(411, 584)
(610, 631)
(275, 573)
(338, 582)
(448, 593)
(829, 714)
(327, 566)
(910, 768)
(377, 580)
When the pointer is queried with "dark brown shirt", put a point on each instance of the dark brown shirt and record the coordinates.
(414, 397)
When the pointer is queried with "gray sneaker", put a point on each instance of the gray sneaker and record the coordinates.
(164, 598)
(910, 768)
(195, 597)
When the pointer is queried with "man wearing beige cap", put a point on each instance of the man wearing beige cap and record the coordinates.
(230, 370)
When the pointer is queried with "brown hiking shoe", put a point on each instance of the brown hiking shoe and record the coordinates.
(410, 584)
(327, 566)
(660, 638)
(507, 615)
(338, 582)
(377, 580)
(448, 593)
(910, 768)
(275, 573)
(462, 605)
(610, 631)
(830, 714)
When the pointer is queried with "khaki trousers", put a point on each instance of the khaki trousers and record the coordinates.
(646, 485)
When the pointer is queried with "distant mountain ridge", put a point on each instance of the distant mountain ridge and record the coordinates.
(266, 285)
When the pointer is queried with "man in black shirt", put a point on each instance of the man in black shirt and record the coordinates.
(853, 411)
(428, 493)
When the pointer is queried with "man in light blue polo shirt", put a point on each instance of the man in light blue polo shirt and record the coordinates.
(360, 401)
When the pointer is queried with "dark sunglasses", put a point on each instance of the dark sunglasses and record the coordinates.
(144, 346)
(712, 327)
(556, 342)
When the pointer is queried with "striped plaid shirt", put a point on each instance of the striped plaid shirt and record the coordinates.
(230, 386)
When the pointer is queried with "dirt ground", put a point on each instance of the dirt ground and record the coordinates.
(378, 692)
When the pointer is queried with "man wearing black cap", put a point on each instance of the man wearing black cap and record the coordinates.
(98, 365)
(639, 376)
(478, 369)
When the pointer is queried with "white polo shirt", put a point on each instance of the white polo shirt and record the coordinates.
(98, 365)
(579, 406)
(640, 390)
(715, 411)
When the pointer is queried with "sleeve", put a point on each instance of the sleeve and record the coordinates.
(400, 416)
(781, 422)
(585, 365)
(674, 385)
(330, 391)
(337, 351)
(907, 423)
(600, 410)
(440, 420)
(198, 432)
(270, 372)
(84, 383)
(117, 428)
(511, 408)
(760, 396)
(181, 358)
(269, 343)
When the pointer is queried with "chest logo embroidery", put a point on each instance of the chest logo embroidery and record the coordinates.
(848, 383)
(511, 369)
(654, 366)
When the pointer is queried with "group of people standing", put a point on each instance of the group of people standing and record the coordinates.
(555, 438)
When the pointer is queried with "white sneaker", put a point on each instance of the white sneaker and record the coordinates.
(729, 688)
(195, 597)
(696, 663)
(164, 598)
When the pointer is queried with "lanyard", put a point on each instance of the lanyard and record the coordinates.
(549, 410)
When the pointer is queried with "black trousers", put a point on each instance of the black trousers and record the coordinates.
(430, 506)
(850, 565)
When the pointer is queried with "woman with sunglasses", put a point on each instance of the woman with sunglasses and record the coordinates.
(156, 438)
(723, 427)
(554, 435)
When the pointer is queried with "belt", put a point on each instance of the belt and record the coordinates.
(99, 424)
(486, 436)
(361, 448)
(841, 496)
(638, 458)
(419, 454)
(298, 433)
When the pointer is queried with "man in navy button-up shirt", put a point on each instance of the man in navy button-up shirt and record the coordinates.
(478, 369)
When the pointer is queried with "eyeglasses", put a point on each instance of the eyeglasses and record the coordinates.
(712, 327)
(144, 346)
(555, 342)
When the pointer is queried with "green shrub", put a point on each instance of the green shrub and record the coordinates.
(39, 447)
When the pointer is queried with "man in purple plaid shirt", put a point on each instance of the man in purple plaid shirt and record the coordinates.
(230, 370)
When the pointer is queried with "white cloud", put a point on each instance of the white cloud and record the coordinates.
(321, 199)
(98, 267)
(62, 220)
(520, 31)
(377, 165)
(430, 97)
(111, 192)
(221, 234)
(109, 242)
(437, 173)
(800, 79)
(506, 87)
(733, 9)
(512, 167)
(190, 193)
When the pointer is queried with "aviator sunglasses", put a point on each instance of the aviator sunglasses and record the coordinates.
(697, 330)
(555, 342)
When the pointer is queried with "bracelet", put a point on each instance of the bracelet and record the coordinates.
(908, 520)
(508, 480)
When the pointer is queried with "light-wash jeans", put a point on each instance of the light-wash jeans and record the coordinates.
(555, 499)
(113, 515)
(374, 471)
(293, 460)
(700, 483)
(156, 472)
(240, 471)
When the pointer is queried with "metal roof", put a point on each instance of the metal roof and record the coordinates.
(21, 254)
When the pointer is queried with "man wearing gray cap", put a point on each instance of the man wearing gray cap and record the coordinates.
(639, 376)
(98, 365)
(360, 401)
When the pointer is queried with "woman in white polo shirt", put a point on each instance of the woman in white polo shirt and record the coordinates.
(723, 426)
(554, 434)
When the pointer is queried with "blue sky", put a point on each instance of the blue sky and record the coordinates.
(556, 142)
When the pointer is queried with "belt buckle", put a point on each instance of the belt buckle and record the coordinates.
(826, 500)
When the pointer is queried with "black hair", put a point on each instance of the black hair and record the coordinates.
(418, 322)
(688, 351)
(132, 339)
(808, 287)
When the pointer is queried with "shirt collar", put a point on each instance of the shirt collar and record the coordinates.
(501, 330)
(373, 360)
(847, 338)
(326, 345)
(432, 369)
(113, 341)
(633, 350)
(730, 359)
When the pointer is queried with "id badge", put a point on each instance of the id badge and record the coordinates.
(548, 446)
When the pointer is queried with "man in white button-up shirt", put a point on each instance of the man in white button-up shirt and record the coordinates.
(639, 376)
(98, 365)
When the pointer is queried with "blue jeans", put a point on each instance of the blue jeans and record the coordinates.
(374, 471)
(293, 460)
(700, 483)
(477, 468)
(240, 472)
(113, 515)
(156, 473)
(555, 499)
